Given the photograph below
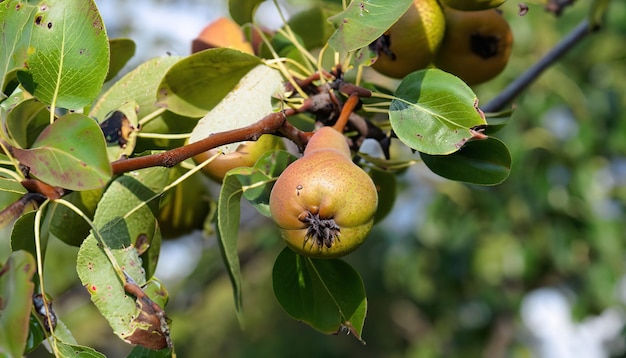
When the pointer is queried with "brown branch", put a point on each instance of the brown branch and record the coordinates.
(269, 124)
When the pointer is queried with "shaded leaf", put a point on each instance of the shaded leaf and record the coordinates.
(142, 352)
(362, 22)
(312, 25)
(68, 42)
(16, 291)
(65, 224)
(194, 85)
(228, 229)
(484, 162)
(26, 121)
(70, 153)
(242, 11)
(122, 50)
(326, 294)
(434, 112)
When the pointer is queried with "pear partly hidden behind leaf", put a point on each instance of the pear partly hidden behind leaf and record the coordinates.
(323, 203)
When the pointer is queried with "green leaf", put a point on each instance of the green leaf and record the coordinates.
(326, 294)
(122, 50)
(68, 56)
(273, 163)
(312, 25)
(125, 228)
(70, 153)
(253, 99)
(65, 224)
(142, 352)
(26, 121)
(74, 350)
(483, 162)
(10, 191)
(228, 229)
(23, 236)
(194, 85)
(434, 112)
(242, 11)
(16, 291)
(386, 185)
(362, 22)
(141, 86)
(16, 18)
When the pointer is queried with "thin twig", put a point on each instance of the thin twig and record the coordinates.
(528, 77)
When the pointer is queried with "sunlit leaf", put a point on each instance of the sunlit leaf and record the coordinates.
(434, 112)
(68, 43)
(141, 85)
(17, 19)
(16, 291)
(70, 153)
(484, 162)
(194, 85)
(125, 226)
(364, 21)
(252, 99)
(326, 294)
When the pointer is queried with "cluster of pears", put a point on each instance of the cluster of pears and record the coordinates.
(323, 203)
(468, 38)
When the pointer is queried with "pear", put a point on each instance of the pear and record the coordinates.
(412, 42)
(323, 203)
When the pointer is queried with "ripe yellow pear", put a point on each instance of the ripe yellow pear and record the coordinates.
(412, 42)
(477, 45)
(323, 203)
(222, 32)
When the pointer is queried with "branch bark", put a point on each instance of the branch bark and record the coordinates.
(522, 82)
(269, 124)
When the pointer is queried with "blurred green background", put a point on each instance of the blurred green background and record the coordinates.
(447, 271)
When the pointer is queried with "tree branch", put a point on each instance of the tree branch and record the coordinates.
(522, 82)
(269, 124)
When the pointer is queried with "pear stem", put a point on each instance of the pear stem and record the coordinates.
(347, 109)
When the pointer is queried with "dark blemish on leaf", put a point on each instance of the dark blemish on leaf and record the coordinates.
(90, 266)
(419, 136)
(18, 7)
(43, 7)
(141, 244)
(49, 25)
(27, 268)
(81, 51)
(38, 20)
